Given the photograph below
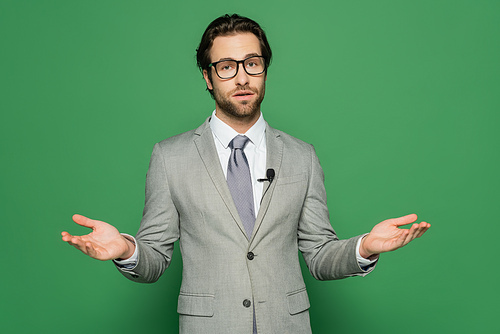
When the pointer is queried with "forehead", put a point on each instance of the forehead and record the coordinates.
(236, 46)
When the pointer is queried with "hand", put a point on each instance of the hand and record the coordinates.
(103, 243)
(386, 236)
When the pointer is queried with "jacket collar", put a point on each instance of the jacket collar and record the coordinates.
(204, 142)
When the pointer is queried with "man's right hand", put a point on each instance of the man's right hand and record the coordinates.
(103, 243)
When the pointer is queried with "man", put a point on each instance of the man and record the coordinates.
(242, 198)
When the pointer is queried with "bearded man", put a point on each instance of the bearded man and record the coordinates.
(242, 198)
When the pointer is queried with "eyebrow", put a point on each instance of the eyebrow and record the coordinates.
(245, 57)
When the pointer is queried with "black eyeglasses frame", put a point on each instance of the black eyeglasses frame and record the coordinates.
(238, 62)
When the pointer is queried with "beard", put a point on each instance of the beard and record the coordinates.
(240, 109)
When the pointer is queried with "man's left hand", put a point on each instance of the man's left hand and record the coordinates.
(387, 236)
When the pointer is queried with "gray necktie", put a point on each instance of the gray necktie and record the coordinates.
(240, 183)
(240, 186)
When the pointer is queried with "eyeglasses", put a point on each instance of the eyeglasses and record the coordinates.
(227, 69)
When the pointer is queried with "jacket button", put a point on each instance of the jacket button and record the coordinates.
(250, 255)
(247, 303)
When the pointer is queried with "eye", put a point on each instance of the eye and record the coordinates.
(225, 66)
(254, 64)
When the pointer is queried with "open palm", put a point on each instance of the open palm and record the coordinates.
(103, 243)
(387, 236)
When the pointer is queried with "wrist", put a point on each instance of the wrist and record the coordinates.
(365, 253)
(130, 248)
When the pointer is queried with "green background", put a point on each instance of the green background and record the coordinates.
(400, 99)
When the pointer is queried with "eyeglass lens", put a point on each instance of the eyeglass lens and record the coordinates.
(228, 68)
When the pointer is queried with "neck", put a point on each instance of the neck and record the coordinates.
(240, 124)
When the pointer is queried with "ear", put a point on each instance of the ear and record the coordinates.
(207, 80)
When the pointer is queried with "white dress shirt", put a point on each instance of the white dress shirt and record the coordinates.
(255, 151)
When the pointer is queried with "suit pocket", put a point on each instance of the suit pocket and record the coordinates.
(290, 179)
(201, 305)
(298, 301)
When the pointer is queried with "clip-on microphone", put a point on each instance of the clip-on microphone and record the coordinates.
(269, 176)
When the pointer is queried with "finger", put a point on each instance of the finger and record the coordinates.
(65, 236)
(79, 244)
(84, 221)
(90, 250)
(76, 241)
(405, 220)
(400, 242)
(423, 228)
(418, 230)
(412, 232)
(71, 239)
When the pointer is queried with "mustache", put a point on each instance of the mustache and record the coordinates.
(242, 88)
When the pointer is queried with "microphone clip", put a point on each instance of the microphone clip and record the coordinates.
(269, 176)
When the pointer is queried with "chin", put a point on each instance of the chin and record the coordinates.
(242, 113)
(238, 109)
(247, 108)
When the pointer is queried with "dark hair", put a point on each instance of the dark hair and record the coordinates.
(229, 25)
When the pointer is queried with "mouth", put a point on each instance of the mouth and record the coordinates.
(243, 95)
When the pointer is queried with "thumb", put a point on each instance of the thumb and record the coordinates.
(405, 220)
(84, 221)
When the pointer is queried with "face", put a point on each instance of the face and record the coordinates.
(239, 97)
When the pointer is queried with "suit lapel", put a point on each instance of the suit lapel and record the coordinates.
(274, 154)
(204, 142)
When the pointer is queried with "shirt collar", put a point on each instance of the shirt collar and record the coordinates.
(224, 133)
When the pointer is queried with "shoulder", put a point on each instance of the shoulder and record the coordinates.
(183, 141)
(177, 140)
(290, 142)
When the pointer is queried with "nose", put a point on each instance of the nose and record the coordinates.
(242, 76)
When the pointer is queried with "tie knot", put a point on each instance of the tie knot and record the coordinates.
(239, 142)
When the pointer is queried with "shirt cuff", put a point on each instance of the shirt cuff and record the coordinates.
(363, 263)
(131, 262)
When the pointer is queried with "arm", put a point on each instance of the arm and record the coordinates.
(326, 256)
(158, 231)
(330, 258)
(159, 227)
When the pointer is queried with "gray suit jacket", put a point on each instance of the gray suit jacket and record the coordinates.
(187, 199)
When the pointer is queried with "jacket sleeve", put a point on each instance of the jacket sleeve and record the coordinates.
(159, 227)
(326, 256)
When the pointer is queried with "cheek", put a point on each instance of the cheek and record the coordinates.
(259, 81)
(261, 85)
(222, 87)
